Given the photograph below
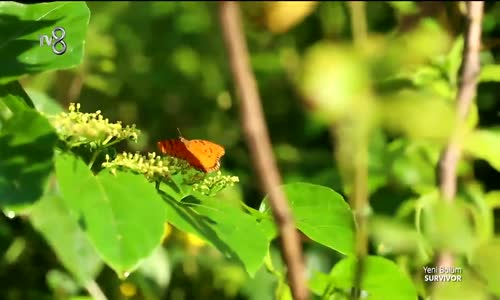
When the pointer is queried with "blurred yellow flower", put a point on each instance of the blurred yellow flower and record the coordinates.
(128, 289)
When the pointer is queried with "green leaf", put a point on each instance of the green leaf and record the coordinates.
(21, 28)
(52, 218)
(382, 279)
(227, 228)
(61, 282)
(484, 144)
(44, 103)
(334, 80)
(27, 142)
(402, 113)
(14, 97)
(412, 164)
(469, 286)
(157, 267)
(404, 7)
(394, 237)
(261, 286)
(268, 227)
(473, 117)
(454, 60)
(490, 73)
(487, 263)
(122, 215)
(321, 214)
(448, 226)
(318, 283)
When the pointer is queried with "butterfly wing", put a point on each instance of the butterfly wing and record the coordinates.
(207, 154)
(175, 147)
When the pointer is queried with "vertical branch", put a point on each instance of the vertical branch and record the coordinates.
(358, 22)
(360, 201)
(469, 72)
(259, 143)
(466, 93)
(352, 158)
(359, 195)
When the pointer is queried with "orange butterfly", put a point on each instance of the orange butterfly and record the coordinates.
(200, 154)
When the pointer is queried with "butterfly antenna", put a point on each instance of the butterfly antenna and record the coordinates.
(178, 130)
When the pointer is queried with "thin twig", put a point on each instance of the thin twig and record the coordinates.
(468, 77)
(259, 144)
(94, 157)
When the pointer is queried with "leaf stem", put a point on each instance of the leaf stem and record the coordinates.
(94, 157)
(113, 143)
(268, 262)
(107, 140)
(418, 226)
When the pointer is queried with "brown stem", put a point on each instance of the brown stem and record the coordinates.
(259, 144)
(468, 77)
(466, 93)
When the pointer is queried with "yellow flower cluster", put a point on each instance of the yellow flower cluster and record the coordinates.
(151, 166)
(213, 184)
(155, 167)
(77, 128)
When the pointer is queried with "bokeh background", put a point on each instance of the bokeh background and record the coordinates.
(163, 66)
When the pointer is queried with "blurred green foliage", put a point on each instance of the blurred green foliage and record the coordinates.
(162, 66)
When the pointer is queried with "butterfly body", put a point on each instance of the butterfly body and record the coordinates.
(200, 154)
